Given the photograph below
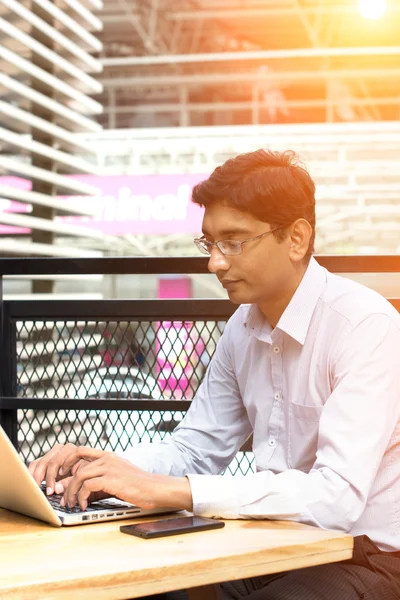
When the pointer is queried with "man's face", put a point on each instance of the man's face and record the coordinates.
(262, 272)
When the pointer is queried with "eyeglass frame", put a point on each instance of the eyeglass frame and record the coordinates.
(203, 250)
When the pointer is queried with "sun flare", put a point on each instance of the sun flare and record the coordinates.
(372, 9)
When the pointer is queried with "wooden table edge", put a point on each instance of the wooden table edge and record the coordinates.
(125, 586)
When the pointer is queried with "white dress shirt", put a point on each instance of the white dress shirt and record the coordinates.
(321, 394)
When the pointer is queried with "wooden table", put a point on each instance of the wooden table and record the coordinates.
(98, 562)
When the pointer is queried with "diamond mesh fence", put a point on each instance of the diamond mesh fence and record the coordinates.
(110, 360)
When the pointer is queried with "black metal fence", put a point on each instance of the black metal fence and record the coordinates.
(113, 372)
(107, 373)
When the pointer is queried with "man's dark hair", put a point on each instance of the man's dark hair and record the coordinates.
(271, 186)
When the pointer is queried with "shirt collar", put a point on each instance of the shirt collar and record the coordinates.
(296, 318)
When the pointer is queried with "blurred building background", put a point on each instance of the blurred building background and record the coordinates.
(110, 112)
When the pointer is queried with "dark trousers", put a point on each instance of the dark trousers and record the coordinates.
(370, 575)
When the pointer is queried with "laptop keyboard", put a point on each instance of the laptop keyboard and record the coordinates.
(54, 501)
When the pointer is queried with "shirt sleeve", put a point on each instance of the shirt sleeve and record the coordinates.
(356, 425)
(214, 428)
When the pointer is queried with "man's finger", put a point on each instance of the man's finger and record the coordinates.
(32, 466)
(78, 465)
(82, 452)
(54, 464)
(85, 473)
(52, 470)
(61, 486)
(39, 467)
(91, 486)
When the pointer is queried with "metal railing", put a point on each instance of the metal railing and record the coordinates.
(113, 372)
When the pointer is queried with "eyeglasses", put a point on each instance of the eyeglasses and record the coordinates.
(228, 247)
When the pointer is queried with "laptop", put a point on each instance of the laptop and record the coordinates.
(19, 492)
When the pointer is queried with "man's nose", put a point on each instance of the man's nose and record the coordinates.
(217, 261)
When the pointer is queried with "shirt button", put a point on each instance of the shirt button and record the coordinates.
(276, 349)
(277, 396)
(271, 442)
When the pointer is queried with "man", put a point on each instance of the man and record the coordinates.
(308, 364)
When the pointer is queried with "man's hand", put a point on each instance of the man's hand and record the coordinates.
(108, 474)
(50, 468)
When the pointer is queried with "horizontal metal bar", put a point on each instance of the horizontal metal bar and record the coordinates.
(75, 163)
(74, 118)
(247, 12)
(29, 17)
(64, 19)
(104, 266)
(36, 198)
(360, 264)
(36, 223)
(96, 4)
(191, 309)
(19, 247)
(177, 265)
(151, 108)
(61, 181)
(89, 278)
(88, 104)
(83, 12)
(72, 297)
(250, 76)
(204, 57)
(52, 57)
(122, 310)
(60, 133)
(93, 404)
(295, 133)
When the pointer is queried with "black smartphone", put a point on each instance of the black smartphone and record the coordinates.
(153, 529)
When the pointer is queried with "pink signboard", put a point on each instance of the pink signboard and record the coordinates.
(128, 204)
(178, 347)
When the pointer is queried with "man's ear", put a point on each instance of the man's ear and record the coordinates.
(299, 236)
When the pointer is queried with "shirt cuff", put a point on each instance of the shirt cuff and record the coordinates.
(216, 496)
